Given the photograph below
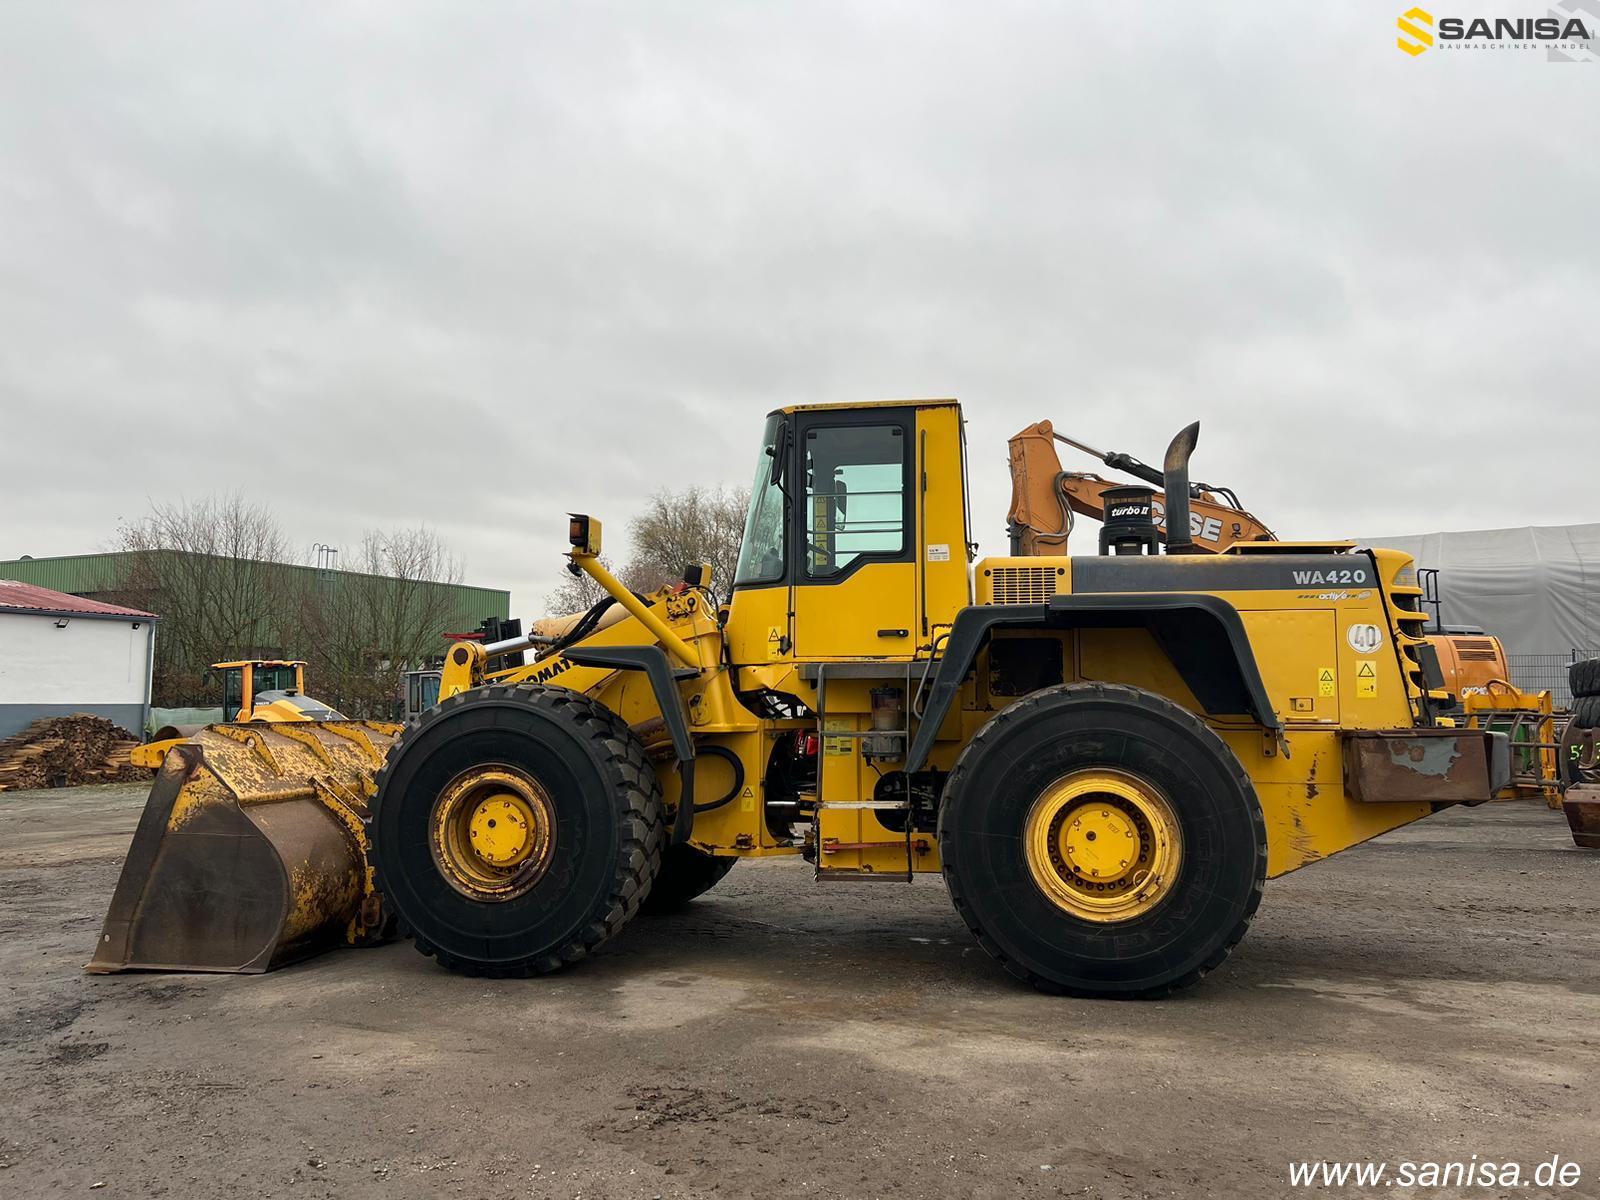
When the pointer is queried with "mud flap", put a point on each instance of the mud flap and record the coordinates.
(241, 862)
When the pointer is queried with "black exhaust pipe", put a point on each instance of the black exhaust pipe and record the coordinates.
(1175, 470)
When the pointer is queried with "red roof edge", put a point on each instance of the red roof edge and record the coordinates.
(28, 597)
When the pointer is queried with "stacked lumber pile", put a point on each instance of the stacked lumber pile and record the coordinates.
(67, 751)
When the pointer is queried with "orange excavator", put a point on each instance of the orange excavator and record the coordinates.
(1044, 498)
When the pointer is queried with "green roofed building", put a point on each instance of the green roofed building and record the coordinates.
(358, 632)
(105, 577)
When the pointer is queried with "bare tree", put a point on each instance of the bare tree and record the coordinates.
(680, 528)
(208, 568)
(218, 572)
(366, 627)
(576, 593)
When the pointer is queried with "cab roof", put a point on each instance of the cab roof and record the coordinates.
(861, 404)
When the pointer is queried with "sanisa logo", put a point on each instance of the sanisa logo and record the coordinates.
(1564, 35)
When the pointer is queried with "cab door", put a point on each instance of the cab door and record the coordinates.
(235, 689)
(854, 577)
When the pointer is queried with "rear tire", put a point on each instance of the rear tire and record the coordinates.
(601, 832)
(1187, 915)
(686, 873)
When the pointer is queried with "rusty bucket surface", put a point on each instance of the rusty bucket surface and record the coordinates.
(251, 851)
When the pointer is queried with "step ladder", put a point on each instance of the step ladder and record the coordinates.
(904, 673)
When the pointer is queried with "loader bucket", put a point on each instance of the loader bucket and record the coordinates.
(251, 851)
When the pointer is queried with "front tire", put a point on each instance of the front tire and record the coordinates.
(515, 829)
(1100, 840)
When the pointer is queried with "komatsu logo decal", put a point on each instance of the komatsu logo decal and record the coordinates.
(1336, 576)
(549, 672)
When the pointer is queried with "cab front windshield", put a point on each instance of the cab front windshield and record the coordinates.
(761, 554)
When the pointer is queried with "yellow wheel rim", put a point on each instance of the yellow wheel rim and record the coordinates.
(493, 832)
(1103, 845)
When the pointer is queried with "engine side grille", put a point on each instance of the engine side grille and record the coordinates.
(1023, 585)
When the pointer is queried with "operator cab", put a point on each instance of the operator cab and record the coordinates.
(855, 543)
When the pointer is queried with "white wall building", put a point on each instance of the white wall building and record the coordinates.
(63, 654)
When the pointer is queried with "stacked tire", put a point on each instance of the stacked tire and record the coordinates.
(1584, 678)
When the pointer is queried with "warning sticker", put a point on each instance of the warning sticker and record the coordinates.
(1325, 678)
(747, 800)
(835, 747)
(1366, 681)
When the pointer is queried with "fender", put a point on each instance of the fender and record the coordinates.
(1203, 636)
(663, 677)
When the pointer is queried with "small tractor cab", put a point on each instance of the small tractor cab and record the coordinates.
(269, 690)
(252, 690)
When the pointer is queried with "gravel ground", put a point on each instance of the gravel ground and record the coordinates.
(1432, 995)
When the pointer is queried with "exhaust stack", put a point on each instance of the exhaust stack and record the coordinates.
(1175, 470)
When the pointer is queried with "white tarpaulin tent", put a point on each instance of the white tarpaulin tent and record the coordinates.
(1536, 588)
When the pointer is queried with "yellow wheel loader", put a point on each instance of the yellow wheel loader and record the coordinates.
(1105, 756)
(252, 690)
(269, 690)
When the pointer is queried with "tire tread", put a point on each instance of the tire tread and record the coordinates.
(1586, 712)
(1136, 696)
(1584, 677)
(633, 782)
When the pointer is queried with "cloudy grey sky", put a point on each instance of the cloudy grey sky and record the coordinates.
(474, 265)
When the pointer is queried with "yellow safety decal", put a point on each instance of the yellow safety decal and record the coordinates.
(836, 747)
(1366, 681)
(1325, 678)
(747, 800)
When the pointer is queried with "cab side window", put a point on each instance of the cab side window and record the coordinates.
(855, 497)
